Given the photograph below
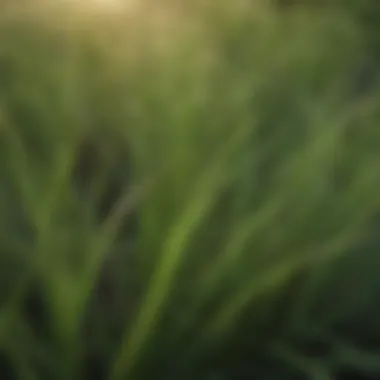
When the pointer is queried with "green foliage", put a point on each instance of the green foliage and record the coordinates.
(249, 161)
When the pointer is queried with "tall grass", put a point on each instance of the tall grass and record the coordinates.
(174, 200)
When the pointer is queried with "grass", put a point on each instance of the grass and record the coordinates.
(198, 204)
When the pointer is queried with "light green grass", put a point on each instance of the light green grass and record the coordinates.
(254, 181)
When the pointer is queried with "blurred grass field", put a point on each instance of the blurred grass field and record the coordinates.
(191, 194)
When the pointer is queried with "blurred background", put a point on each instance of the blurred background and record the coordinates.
(190, 190)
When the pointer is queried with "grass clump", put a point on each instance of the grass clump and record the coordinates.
(195, 203)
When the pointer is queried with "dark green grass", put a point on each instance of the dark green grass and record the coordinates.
(209, 212)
